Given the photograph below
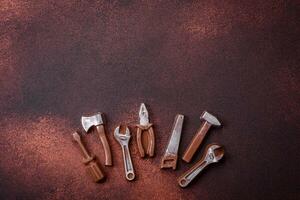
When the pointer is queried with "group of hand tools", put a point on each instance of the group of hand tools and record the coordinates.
(146, 145)
(212, 154)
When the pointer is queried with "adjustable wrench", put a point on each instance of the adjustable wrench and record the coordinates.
(123, 140)
(213, 153)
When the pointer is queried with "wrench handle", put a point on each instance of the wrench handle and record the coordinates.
(196, 142)
(103, 138)
(129, 171)
(185, 179)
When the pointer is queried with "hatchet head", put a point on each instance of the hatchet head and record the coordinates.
(210, 119)
(90, 121)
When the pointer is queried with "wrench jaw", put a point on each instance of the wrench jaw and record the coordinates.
(122, 138)
(213, 154)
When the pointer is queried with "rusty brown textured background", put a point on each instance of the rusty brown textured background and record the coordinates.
(237, 59)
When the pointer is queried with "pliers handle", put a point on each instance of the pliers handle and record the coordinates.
(150, 140)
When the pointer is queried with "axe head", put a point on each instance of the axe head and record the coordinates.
(210, 118)
(90, 121)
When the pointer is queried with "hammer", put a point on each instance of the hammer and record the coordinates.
(96, 121)
(209, 120)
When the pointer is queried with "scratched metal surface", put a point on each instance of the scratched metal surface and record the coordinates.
(60, 59)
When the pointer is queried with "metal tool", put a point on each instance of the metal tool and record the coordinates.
(212, 154)
(169, 159)
(145, 126)
(124, 139)
(93, 168)
(97, 121)
(209, 120)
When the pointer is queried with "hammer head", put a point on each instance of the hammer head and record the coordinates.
(89, 121)
(210, 118)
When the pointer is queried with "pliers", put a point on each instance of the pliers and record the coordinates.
(145, 126)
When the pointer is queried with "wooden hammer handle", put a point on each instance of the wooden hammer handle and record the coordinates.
(196, 142)
(103, 138)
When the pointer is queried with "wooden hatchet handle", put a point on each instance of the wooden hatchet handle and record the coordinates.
(103, 138)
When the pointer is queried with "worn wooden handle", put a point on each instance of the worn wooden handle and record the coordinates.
(169, 161)
(196, 142)
(139, 142)
(186, 177)
(103, 138)
(94, 171)
(92, 168)
(151, 142)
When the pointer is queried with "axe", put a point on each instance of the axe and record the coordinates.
(96, 120)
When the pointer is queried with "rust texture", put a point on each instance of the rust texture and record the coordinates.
(237, 59)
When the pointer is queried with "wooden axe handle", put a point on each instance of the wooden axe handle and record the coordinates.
(103, 138)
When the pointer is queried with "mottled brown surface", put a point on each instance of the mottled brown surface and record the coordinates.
(237, 59)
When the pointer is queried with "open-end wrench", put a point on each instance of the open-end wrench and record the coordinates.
(213, 153)
(123, 140)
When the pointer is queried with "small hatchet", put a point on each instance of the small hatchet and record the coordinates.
(96, 121)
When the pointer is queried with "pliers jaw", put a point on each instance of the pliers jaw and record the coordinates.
(143, 115)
